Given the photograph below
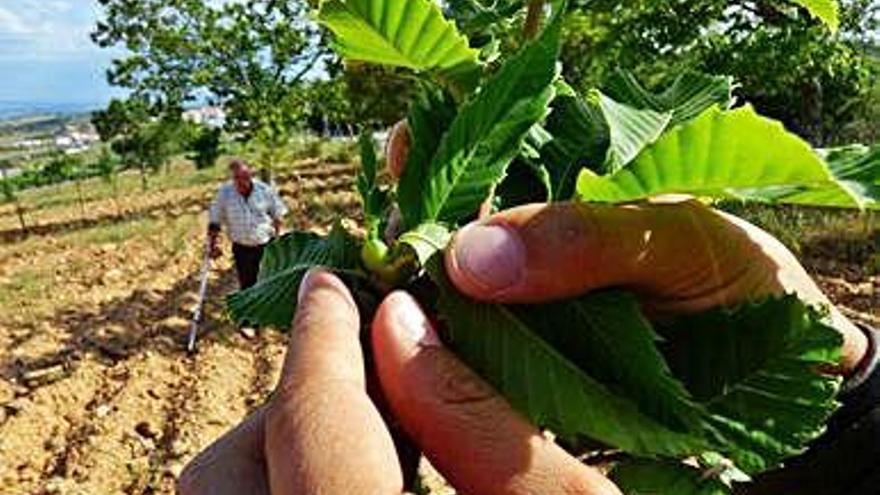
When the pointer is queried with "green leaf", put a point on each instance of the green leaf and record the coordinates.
(368, 158)
(272, 301)
(708, 156)
(605, 335)
(430, 114)
(827, 11)
(687, 97)
(404, 33)
(485, 136)
(541, 383)
(426, 240)
(856, 170)
(375, 200)
(755, 368)
(575, 135)
(645, 477)
(527, 181)
(630, 130)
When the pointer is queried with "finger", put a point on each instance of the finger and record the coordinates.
(232, 465)
(397, 148)
(681, 256)
(323, 434)
(465, 428)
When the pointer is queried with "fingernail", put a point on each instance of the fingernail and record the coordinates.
(415, 324)
(306, 284)
(492, 255)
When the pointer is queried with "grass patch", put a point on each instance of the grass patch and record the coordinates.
(28, 284)
(844, 235)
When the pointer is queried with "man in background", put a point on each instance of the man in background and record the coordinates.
(251, 212)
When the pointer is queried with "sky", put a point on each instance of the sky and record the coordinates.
(46, 55)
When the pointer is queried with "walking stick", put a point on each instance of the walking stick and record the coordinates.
(197, 312)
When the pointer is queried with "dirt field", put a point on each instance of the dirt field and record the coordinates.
(96, 393)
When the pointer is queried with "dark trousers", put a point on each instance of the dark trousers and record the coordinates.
(247, 263)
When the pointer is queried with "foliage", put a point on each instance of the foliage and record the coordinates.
(144, 136)
(643, 477)
(412, 34)
(724, 150)
(7, 186)
(284, 264)
(593, 369)
(206, 147)
(247, 57)
(483, 137)
(377, 94)
(817, 83)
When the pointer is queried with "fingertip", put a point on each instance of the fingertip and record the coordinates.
(401, 326)
(487, 261)
(317, 278)
(320, 291)
(397, 148)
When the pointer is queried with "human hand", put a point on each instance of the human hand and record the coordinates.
(677, 256)
(214, 250)
(321, 432)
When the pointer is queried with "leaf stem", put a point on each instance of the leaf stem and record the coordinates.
(533, 18)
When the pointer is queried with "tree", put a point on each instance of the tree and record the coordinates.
(205, 147)
(107, 167)
(63, 167)
(247, 57)
(142, 140)
(380, 94)
(9, 195)
(817, 82)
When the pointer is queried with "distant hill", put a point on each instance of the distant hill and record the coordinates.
(16, 110)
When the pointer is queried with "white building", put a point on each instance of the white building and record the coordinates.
(209, 116)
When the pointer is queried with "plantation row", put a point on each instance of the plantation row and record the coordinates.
(97, 373)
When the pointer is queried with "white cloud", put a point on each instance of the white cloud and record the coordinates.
(12, 24)
(45, 29)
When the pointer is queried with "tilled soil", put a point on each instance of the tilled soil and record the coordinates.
(97, 395)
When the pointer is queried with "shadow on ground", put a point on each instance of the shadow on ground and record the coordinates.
(144, 321)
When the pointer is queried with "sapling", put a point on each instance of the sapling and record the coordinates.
(488, 131)
(9, 195)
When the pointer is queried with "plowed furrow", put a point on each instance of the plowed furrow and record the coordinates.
(40, 425)
(120, 436)
(211, 398)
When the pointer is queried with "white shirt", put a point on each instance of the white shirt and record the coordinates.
(249, 221)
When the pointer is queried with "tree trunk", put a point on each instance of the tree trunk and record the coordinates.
(79, 195)
(143, 177)
(115, 191)
(19, 210)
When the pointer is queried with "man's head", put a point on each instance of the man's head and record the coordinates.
(241, 176)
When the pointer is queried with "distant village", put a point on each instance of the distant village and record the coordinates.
(80, 135)
(72, 136)
(71, 139)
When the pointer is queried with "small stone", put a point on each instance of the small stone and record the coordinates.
(146, 430)
(247, 332)
(174, 469)
(102, 410)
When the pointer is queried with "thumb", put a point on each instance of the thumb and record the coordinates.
(678, 254)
